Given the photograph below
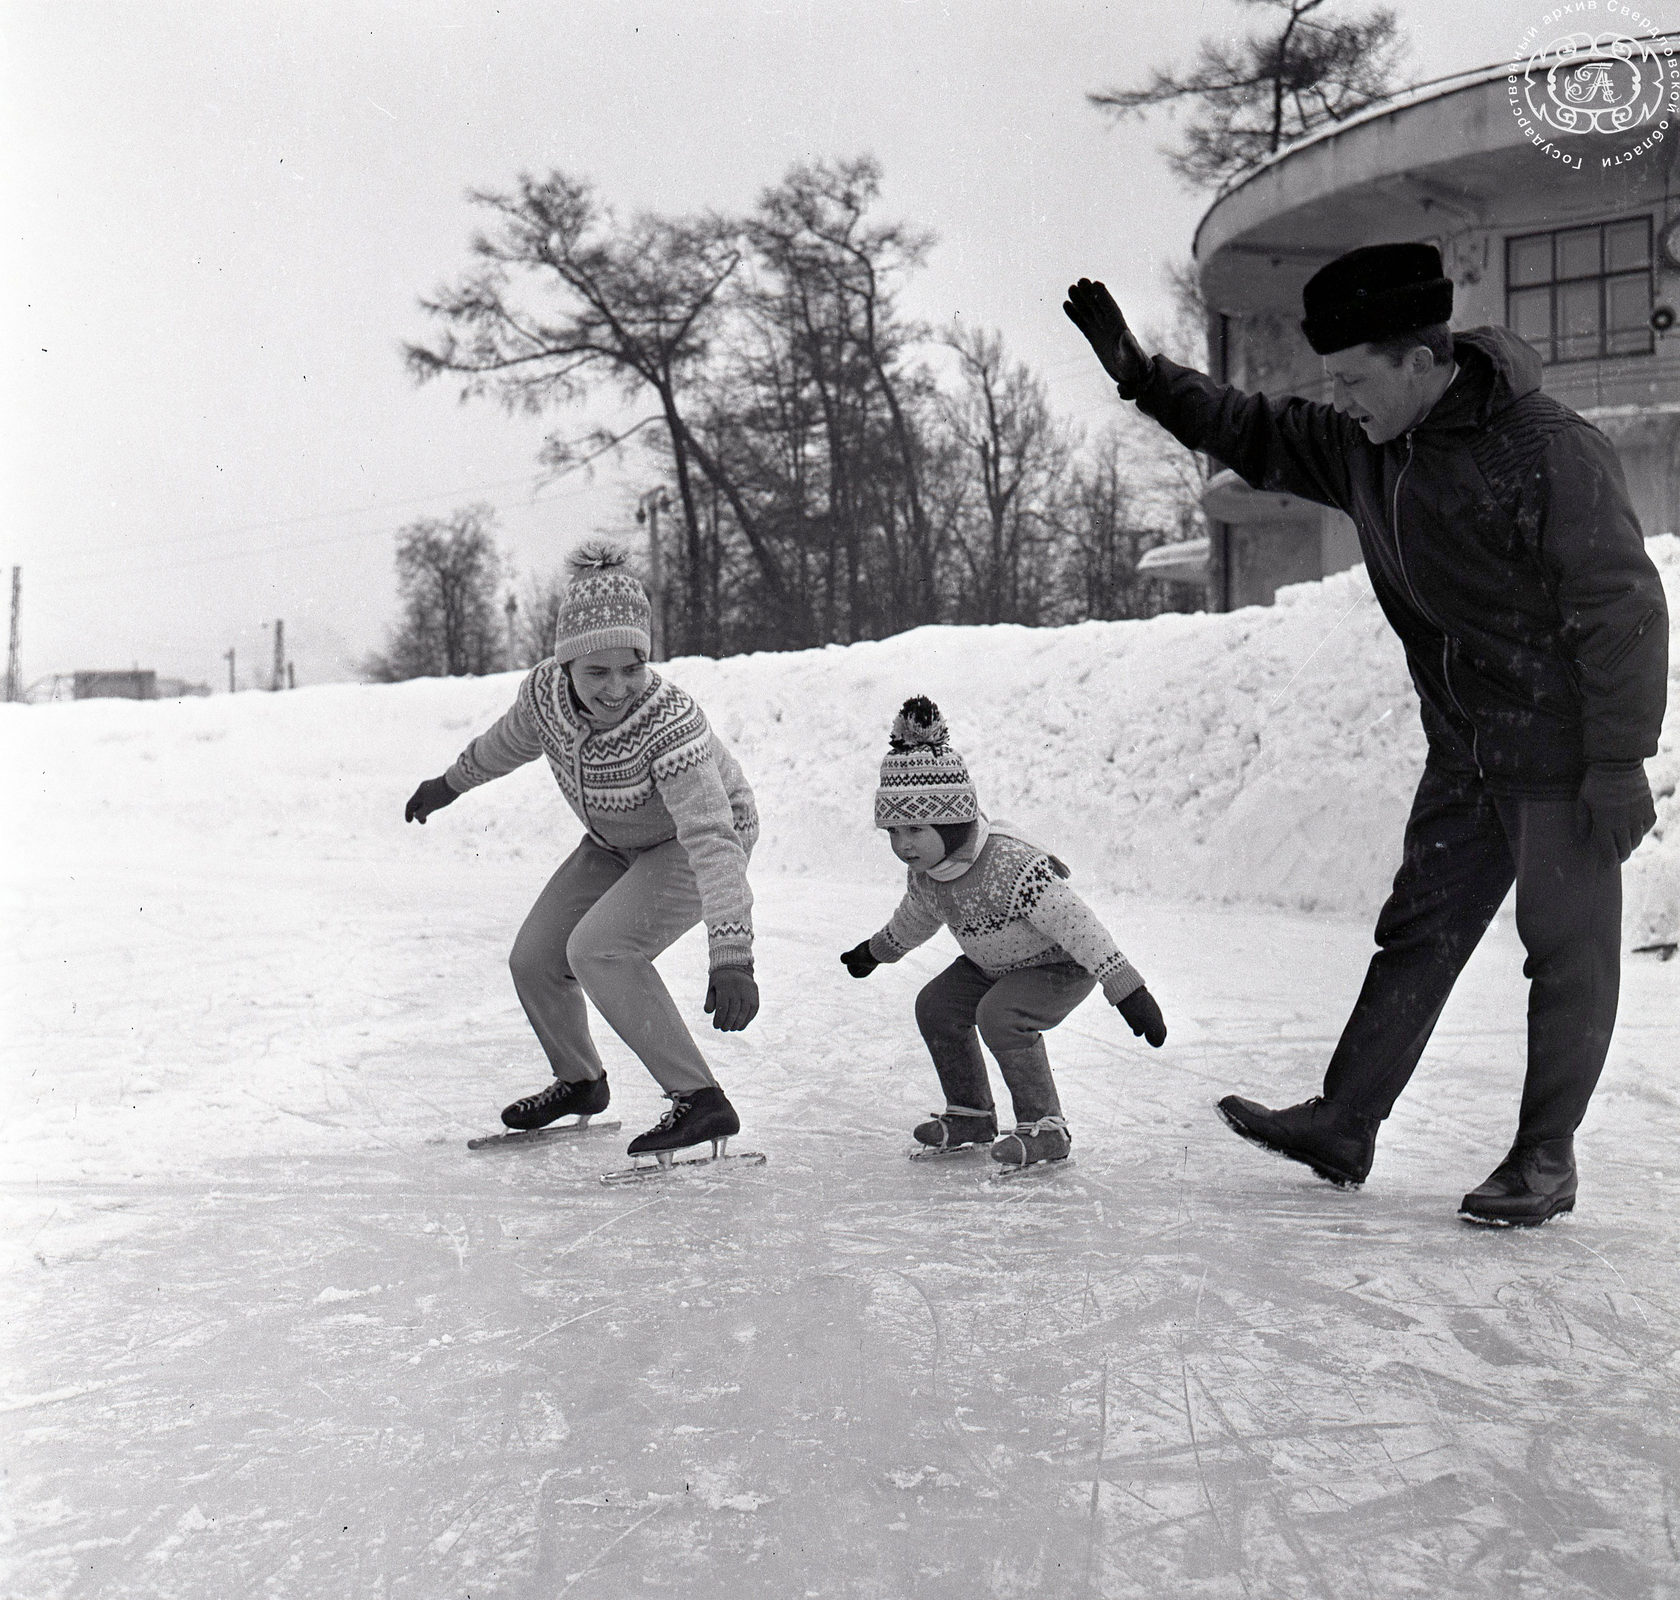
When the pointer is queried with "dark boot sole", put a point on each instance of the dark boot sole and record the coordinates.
(1482, 1221)
(1331, 1175)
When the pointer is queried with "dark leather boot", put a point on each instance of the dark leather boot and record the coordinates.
(696, 1115)
(1534, 1182)
(583, 1098)
(1335, 1143)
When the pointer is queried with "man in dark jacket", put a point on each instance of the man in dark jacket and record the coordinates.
(1500, 543)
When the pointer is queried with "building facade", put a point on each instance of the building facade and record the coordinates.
(1571, 241)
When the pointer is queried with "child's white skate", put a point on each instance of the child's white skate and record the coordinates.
(1032, 1144)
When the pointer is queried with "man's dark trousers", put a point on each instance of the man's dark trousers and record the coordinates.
(1464, 847)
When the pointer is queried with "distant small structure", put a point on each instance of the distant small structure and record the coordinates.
(130, 685)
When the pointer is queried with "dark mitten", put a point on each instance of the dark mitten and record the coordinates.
(1140, 1010)
(433, 795)
(1615, 809)
(731, 998)
(1091, 309)
(859, 962)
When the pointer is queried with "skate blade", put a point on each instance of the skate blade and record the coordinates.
(555, 1130)
(666, 1169)
(1008, 1174)
(944, 1152)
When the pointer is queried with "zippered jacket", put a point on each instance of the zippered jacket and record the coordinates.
(1500, 543)
(657, 775)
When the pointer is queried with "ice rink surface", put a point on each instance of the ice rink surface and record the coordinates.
(269, 1328)
(272, 1329)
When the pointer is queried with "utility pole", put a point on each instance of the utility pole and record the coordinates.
(647, 510)
(278, 681)
(227, 656)
(512, 608)
(14, 673)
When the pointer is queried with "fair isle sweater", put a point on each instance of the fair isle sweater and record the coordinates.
(1011, 909)
(658, 775)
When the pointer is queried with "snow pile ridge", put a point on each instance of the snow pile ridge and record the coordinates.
(1265, 755)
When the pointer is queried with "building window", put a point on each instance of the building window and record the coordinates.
(1579, 294)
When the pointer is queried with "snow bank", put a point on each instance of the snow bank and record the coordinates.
(1266, 755)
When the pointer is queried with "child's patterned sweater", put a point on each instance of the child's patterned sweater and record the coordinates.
(658, 775)
(1011, 909)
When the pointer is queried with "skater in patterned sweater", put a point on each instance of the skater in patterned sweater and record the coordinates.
(669, 823)
(1032, 949)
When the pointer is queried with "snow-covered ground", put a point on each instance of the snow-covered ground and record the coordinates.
(270, 1328)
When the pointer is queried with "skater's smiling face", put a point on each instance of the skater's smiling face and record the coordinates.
(607, 683)
(919, 847)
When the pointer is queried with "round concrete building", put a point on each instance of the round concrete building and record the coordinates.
(1570, 238)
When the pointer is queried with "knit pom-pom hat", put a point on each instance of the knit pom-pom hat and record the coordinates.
(604, 607)
(923, 780)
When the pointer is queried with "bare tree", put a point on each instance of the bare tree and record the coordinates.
(1106, 518)
(638, 304)
(536, 617)
(448, 572)
(1016, 452)
(1251, 96)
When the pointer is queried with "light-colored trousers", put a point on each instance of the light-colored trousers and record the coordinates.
(594, 931)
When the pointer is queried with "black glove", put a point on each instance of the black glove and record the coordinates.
(433, 795)
(1091, 309)
(1615, 810)
(731, 999)
(1140, 1010)
(859, 962)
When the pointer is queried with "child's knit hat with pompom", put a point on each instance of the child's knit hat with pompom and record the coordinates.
(604, 607)
(923, 780)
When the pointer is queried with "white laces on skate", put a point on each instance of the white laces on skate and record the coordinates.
(1027, 1129)
(679, 1110)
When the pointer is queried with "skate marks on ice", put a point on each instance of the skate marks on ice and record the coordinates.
(1156, 1376)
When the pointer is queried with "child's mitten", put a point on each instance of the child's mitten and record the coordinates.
(859, 962)
(433, 795)
(1140, 1010)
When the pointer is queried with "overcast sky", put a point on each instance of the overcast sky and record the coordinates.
(221, 217)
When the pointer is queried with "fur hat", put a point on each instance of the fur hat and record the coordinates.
(604, 607)
(923, 780)
(1375, 293)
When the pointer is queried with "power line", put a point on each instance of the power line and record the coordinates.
(312, 516)
(260, 550)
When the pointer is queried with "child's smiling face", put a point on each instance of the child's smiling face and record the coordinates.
(917, 846)
(607, 682)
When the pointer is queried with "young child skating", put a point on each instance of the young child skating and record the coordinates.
(1032, 949)
(669, 824)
